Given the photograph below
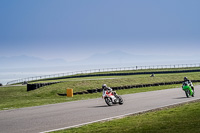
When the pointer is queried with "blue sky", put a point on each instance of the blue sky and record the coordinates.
(76, 29)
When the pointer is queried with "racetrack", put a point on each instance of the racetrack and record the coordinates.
(70, 114)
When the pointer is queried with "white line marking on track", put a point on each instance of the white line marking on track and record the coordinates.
(116, 117)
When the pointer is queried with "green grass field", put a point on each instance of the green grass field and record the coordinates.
(124, 71)
(18, 97)
(81, 84)
(181, 119)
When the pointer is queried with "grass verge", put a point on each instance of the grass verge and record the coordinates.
(81, 84)
(109, 72)
(181, 119)
(18, 97)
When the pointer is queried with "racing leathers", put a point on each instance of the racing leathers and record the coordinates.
(189, 83)
(104, 91)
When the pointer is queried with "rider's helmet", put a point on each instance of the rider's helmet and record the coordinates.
(185, 78)
(104, 86)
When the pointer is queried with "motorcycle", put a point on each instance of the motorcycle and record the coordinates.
(111, 98)
(188, 90)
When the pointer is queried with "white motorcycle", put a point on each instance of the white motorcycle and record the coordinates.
(111, 98)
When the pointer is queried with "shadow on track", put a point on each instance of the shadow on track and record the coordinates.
(101, 106)
(180, 98)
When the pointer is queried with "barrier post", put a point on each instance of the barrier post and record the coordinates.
(69, 92)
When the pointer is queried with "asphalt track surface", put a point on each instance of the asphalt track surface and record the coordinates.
(71, 114)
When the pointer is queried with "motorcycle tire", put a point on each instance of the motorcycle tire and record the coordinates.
(187, 93)
(120, 100)
(193, 93)
(108, 101)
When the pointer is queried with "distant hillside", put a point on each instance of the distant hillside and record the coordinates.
(28, 61)
(119, 57)
(115, 57)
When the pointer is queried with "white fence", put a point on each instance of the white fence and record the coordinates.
(103, 70)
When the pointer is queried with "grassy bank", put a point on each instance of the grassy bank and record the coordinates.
(113, 72)
(80, 84)
(181, 119)
(17, 96)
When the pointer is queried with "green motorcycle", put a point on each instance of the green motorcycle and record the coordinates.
(188, 90)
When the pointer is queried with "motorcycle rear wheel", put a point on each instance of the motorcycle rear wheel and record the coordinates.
(193, 93)
(120, 100)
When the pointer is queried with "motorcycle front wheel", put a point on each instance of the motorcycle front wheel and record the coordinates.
(187, 93)
(108, 101)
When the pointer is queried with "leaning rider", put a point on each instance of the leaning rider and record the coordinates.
(105, 88)
(189, 82)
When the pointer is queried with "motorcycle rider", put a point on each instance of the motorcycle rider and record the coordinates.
(105, 88)
(189, 82)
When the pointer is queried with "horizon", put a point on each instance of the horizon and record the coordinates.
(118, 58)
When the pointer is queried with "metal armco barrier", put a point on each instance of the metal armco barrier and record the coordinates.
(73, 74)
(123, 74)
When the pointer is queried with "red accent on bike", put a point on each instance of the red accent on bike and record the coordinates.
(109, 94)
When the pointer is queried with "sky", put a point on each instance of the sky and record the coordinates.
(77, 29)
